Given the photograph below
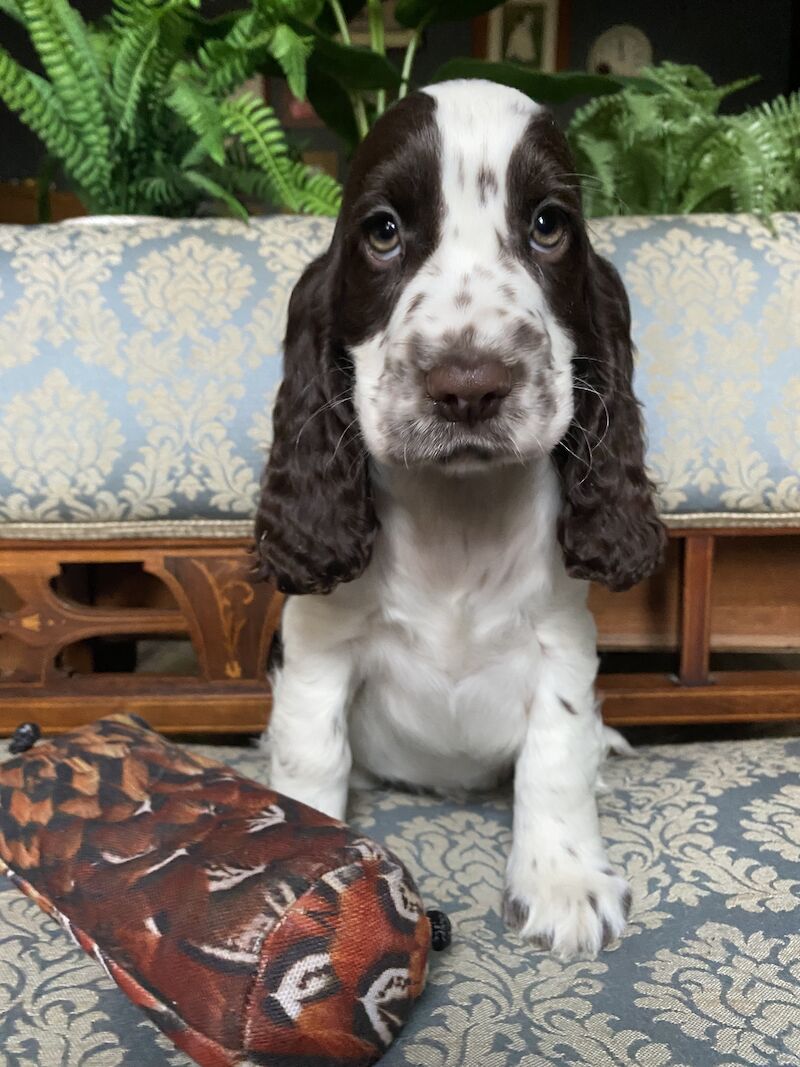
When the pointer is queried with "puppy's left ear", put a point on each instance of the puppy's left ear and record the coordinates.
(609, 528)
(315, 523)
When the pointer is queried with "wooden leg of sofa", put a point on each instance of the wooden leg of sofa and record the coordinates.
(696, 575)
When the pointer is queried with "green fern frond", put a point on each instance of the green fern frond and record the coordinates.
(224, 65)
(317, 193)
(261, 134)
(292, 51)
(140, 107)
(61, 40)
(13, 10)
(216, 191)
(129, 71)
(35, 101)
(202, 114)
(159, 191)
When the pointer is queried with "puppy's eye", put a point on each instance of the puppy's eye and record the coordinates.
(548, 229)
(383, 235)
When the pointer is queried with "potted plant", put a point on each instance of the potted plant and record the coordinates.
(671, 152)
(143, 110)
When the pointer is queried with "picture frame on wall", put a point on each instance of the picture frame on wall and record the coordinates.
(529, 33)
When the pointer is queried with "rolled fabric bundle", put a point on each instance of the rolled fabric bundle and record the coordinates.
(250, 928)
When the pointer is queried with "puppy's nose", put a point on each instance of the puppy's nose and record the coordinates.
(466, 392)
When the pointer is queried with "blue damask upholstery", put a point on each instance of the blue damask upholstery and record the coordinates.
(139, 361)
(707, 974)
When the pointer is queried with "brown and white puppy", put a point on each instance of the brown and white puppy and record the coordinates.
(457, 448)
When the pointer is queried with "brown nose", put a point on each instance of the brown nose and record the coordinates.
(469, 392)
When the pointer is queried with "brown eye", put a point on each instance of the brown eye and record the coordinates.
(548, 229)
(383, 235)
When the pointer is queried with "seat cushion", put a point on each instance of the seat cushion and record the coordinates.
(139, 361)
(707, 975)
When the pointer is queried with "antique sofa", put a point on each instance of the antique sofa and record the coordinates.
(138, 364)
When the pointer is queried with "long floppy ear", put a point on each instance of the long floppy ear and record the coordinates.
(315, 522)
(609, 529)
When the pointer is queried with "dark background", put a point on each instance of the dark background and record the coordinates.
(728, 38)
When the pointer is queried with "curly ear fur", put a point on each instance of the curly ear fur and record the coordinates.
(609, 529)
(315, 522)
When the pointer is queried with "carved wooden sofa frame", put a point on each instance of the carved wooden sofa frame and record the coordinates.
(705, 601)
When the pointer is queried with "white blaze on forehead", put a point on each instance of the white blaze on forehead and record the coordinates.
(480, 123)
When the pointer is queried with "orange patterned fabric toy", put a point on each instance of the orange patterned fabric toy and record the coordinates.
(250, 928)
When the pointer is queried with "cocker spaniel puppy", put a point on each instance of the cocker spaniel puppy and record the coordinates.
(457, 449)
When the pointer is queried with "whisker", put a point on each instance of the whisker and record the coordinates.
(349, 426)
(329, 405)
(585, 387)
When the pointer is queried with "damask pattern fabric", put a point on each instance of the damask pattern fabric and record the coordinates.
(708, 974)
(139, 362)
(715, 301)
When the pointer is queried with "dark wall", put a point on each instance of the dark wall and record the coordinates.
(728, 38)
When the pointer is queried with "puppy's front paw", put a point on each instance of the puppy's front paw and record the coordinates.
(575, 909)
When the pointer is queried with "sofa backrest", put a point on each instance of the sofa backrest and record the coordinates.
(139, 362)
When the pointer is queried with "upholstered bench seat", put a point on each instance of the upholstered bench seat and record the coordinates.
(139, 362)
(706, 976)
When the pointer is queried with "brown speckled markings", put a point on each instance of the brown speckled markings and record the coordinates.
(250, 929)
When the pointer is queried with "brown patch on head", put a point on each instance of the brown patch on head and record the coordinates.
(397, 168)
(547, 404)
(463, 299)
(487, 183)
(526, 336)
(415, 304)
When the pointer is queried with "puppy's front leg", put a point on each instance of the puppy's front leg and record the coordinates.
(561, 892)
(309, 750)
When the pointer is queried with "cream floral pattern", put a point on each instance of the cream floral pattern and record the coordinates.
(171, 333)
(715, 302)
(708, 974)
(62, 459)
(738, 992)
(176, 328)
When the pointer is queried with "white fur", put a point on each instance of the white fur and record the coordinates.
(464, 652)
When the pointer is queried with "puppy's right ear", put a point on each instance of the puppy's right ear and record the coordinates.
(315, 523)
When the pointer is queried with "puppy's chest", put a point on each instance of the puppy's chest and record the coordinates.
(454, 634)
(449, 667)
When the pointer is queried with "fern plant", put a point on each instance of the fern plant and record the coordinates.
(141, 109)
(671, 152)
